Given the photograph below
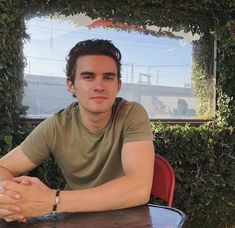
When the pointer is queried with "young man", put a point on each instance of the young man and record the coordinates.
(102, 144)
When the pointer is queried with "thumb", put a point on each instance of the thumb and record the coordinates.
(25, 180)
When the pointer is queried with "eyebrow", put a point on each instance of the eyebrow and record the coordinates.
(92, 73)
(110, 74)
(87, 72)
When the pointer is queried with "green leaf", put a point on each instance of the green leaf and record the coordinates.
(8, 139)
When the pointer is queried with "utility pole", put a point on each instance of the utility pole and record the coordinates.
(132, 73)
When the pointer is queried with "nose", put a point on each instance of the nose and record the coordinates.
(99, 85)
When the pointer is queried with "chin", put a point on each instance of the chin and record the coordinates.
(100, 111)
(98, 108)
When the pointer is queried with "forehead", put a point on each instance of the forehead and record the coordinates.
(96, 63)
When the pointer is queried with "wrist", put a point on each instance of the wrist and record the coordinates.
(50, 201)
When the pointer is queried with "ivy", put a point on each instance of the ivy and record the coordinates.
(12, 33)
(202, 75)
(226, 72)
(202, 157)
(203, 162)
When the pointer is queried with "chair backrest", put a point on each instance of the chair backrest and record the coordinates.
(163, 180)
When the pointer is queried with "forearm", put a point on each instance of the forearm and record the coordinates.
(5, 174)
(122, 192)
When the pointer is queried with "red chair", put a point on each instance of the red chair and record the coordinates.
(163, 180)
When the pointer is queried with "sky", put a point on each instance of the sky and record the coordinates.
(165, 61)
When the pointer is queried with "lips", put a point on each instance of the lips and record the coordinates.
(99, 98)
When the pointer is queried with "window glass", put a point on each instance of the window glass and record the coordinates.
(156, 66)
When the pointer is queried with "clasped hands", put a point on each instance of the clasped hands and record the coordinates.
(24, 197)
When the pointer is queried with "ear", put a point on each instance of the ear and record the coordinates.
(70, 86)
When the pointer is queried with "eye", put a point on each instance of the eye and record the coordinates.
(87, 76)
(108, 77)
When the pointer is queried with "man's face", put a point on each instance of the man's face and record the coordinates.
(96, 83)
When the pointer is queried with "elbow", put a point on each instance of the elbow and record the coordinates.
(144, 195)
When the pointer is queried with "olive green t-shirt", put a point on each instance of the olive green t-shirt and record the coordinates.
(88, 160)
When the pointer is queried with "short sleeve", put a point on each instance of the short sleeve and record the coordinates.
(137, 125)
(40, 142)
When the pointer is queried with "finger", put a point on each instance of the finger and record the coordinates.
(12, 194)
(9, 196)
(8, 209)
(8, 220)
(22, 220)
(8, 185)
(5, 199)
(22, 181)
(4, 213)
(26, 182)
(25, 178)
(10, 216)
(14, 217)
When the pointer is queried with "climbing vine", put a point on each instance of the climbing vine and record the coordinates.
(202, 17)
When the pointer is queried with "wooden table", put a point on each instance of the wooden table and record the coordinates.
(137, 217)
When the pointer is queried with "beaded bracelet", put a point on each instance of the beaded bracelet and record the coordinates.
(57, 199)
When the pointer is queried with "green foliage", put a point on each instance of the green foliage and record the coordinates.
(166, 13)
(18, 134)
(204, 164)
(226, 72)
(50, 174)
(202, 75)
(12, 33)
(203, 158)
(226, 109)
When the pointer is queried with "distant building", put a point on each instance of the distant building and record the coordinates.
(45, 95)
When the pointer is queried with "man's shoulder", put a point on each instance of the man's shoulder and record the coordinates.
(134, 121)
(124, 105)
(129, 109)
(68, 110)
(66, 113)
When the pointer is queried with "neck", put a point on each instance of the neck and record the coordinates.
(95, 122)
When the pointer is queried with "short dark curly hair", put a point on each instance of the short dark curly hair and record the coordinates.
(92, 47)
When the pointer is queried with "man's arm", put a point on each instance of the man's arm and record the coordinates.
(12, 164)
(132, 189)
